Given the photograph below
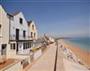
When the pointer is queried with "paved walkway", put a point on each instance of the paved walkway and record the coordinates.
(46, 61)
(49, 61)
(60, 65)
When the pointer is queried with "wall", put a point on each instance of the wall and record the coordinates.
(4, 35)
(4, 26)
(37, 54)
(21, 27)
(10, 53)
(13, 67)
(31, 30)
(15, 24)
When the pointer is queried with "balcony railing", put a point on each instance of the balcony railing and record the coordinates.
(13, 37)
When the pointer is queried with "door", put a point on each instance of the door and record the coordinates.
(3, 50)
(3, 53)
(17, 34)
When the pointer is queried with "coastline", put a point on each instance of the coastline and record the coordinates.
(81, 54)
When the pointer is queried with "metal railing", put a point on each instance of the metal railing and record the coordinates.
(13, 37)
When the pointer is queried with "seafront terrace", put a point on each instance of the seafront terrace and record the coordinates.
(54, 59)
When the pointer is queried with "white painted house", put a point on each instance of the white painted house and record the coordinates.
(19, 34)
(15, 35)
(33, 30)
(4, 34)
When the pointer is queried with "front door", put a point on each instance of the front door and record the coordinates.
(17, 34)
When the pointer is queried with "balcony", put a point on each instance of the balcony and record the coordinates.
(13, 37)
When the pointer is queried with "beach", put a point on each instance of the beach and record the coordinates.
(81, 54)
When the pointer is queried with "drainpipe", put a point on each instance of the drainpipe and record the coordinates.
(9, 29)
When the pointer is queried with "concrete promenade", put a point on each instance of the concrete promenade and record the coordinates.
(47, 61)
(53, 59)
(59, 65)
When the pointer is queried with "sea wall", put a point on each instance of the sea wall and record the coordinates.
(37, 54)
(13, 67)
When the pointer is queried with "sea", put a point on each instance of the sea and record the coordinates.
(81, 42)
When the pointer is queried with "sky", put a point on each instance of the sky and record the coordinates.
(54, 17)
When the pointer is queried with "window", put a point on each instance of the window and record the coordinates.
(0, 28)
(0, 25)
(21, 21)
(24, 33)
(24, 46)
(34, 34)
(13, 46)
(30, 44)
(33, 27)
(31, 34)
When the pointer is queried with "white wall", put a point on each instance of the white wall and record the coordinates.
(4, 33)
(37, 54)
(10, 53)
(15, 24)
(34, 31)
(4, 21)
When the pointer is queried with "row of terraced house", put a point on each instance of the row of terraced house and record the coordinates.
(16, 36)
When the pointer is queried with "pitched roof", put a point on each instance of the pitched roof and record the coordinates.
(15, 13)
(29, 22)
(11, 14)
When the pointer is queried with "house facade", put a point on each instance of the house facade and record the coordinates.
(19, 34)
(4, 34)
(16, 35)
(33, 30)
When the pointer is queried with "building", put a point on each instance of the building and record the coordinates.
(16, 36)
(4, 34)
(33, 30)
(19, 41)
